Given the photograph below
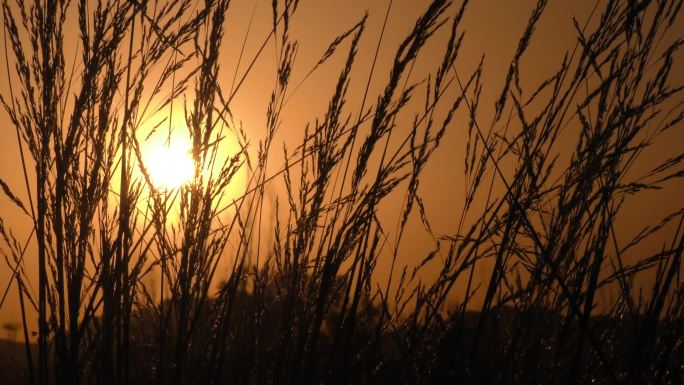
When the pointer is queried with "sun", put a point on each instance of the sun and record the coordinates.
(166, 156)
(169, 165)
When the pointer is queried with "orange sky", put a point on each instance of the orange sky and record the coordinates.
(493, 28)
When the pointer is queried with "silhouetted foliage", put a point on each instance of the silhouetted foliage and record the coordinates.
(303, 301)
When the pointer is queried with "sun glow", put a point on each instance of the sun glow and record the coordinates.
(169, 165)
(165, 148)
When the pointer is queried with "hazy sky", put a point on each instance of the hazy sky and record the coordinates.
(492, 27)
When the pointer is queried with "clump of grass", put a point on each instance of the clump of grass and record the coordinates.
(303, 301)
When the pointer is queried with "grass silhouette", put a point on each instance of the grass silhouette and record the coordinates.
(304, 300)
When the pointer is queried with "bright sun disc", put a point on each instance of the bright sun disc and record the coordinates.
(169, 166)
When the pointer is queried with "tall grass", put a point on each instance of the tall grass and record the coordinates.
(304, 300)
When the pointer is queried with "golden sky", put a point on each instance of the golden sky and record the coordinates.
(492, 27)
